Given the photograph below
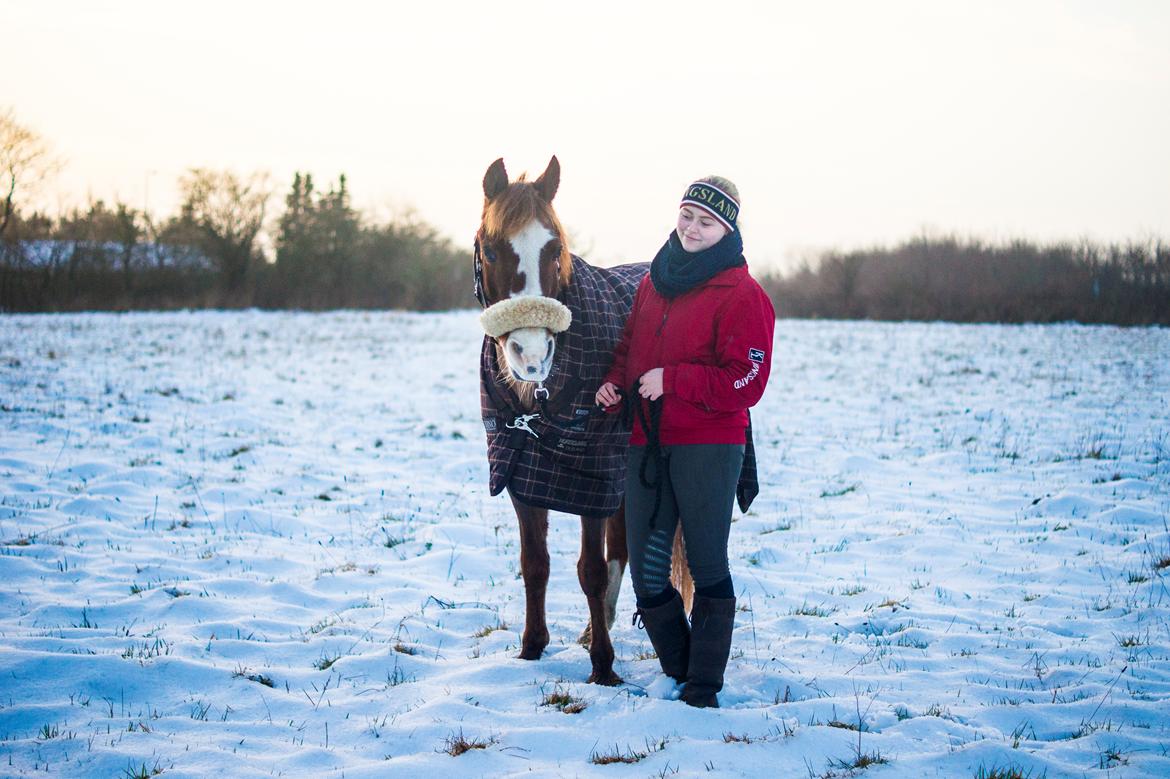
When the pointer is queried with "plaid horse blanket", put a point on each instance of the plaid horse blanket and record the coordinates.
(565, 455)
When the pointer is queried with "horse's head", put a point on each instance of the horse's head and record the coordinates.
(522, 265)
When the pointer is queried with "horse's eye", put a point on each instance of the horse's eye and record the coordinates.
(489, 254)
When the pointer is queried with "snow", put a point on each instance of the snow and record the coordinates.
(255, 544)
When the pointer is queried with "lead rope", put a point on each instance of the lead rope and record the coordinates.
(650, 421)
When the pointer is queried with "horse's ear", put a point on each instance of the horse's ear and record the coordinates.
(548, 182)
(495, 180)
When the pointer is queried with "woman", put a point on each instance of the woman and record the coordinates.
(697, 350)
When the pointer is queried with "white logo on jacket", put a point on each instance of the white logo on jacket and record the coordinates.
(755, 371)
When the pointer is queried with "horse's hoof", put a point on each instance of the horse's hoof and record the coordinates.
(532, 650)
(607, 679)
(532, 644)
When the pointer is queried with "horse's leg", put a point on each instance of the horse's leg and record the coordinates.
(616, 557)
(534, 569)
(593, 573)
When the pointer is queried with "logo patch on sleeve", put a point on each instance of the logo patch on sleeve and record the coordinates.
(756, 355)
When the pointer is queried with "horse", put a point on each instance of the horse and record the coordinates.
(551, 322)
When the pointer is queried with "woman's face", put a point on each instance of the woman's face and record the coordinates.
(698, 230)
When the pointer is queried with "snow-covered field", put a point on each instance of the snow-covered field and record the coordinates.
(253, 544)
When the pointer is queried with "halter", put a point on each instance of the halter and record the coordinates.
(540, 393)
(480, 295)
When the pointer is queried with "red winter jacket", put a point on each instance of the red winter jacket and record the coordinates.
(715, 345)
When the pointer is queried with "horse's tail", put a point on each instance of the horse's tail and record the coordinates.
(680, 574)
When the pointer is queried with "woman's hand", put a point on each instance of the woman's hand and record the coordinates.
(607, 395)
(650, 385)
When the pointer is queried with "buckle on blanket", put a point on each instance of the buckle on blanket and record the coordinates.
(521, 423)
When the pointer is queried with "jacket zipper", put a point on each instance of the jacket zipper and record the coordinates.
(665, 314)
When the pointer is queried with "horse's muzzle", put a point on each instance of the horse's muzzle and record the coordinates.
(529, 352)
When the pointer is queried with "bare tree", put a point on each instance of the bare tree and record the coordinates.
(229, 212)
(25, 161)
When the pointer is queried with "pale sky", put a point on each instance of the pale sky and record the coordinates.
(844, 124)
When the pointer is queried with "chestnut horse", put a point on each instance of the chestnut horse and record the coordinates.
(548, 445)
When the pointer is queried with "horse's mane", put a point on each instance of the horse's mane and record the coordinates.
(516, 207)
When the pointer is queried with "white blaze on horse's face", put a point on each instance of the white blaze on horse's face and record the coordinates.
(528, 244)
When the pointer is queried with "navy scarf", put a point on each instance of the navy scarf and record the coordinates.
(675, 270)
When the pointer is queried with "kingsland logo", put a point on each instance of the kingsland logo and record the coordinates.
(746, 380)
(715, 200)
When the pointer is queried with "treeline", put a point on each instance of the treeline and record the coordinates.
(320, 253)
(947, 278)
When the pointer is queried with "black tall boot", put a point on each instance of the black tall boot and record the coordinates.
(669, 634)
(712, 620)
